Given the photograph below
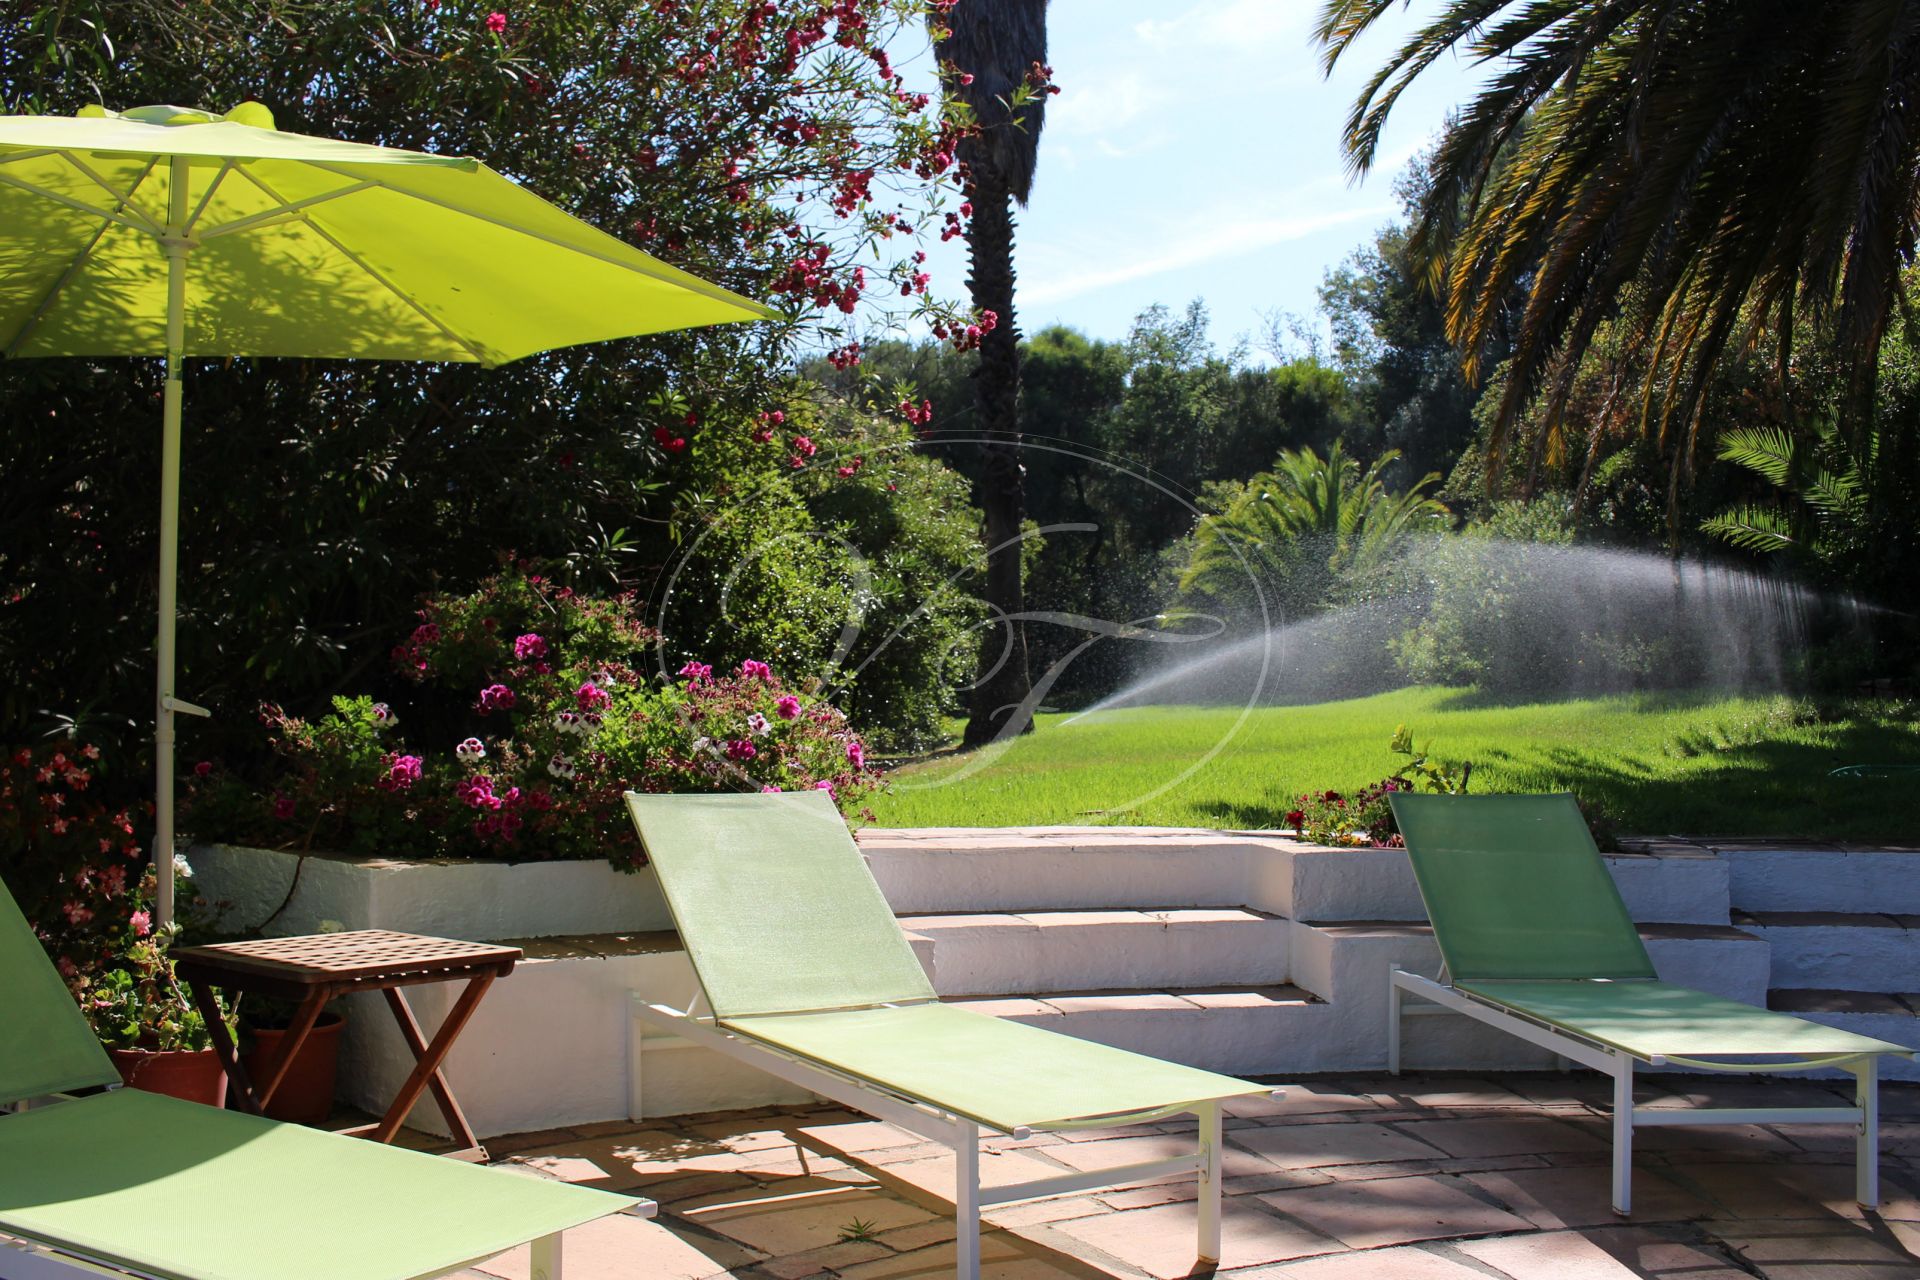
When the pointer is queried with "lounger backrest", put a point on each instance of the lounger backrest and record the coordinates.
(775, 903)
(1516, 888)
(46, 1045)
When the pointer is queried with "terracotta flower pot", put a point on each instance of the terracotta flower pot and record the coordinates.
(305, 1095)
(190, 1074)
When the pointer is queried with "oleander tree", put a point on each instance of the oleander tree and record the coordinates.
(768, 145)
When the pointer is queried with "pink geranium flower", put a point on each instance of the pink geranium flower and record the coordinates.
(788, 706)
(142, 923)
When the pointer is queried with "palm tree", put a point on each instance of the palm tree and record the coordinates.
(993, 54)
(1301, 527)
(1718, 173)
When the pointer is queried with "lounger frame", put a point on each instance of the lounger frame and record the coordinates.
(1864, 1115)
(959, 1133)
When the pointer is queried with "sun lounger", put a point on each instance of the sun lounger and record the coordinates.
(1535, 940)
(131, 1183)
(806, 974)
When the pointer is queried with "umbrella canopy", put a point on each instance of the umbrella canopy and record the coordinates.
(164, 231)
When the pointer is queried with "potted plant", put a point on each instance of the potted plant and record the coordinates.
(149, 1025)
(305, 1093)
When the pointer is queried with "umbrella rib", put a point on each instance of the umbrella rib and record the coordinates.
(123, 200)
(206, 197)
(71, 203)
(367, 267)
(680, 279)
(73, 269)
(293, 212)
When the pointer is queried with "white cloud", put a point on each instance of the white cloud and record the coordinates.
(1252, 25)
(1058, 281)
(1098, 105)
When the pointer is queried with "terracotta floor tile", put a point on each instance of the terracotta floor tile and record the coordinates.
(1506, 1135)
(1160, 1240)
(1388, 1211)
(796, 1217)
(1548, 1255)
(1310, 1146)
(1556, 1198)
(621, 1248)
(1375, 1264)
(1092, 1156)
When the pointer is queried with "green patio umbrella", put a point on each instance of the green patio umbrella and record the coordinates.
(170, 232)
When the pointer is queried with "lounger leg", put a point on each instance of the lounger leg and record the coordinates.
(636, 1042)
(966, 1203)
(1622, 1134)
(1209, 1243)
(1867, 1146)
(1394, 995)
(546, 1258)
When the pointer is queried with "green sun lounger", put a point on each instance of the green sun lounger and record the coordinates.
(1535, 940)
(806, 974)
(126, 1182)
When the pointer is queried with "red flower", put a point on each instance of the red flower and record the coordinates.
(496, 22)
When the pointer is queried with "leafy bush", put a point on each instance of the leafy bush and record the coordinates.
(531, 716)
(137, 1001)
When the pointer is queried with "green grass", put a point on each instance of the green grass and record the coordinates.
(1653, 764)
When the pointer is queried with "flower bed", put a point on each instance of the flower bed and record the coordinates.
(527, 714)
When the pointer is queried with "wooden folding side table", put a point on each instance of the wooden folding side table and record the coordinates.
(316, 969)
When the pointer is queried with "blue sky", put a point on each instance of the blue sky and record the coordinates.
(1193, 152)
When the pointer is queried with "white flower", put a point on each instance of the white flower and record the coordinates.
(383, 717)
(181, 867)
(470, 750)
(591, 722)
(568, 722)
(702, 744)
(757, 725)
(561, 767)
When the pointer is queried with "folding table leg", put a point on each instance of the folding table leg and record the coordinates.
(1622, 1134)
(223, 1045)
(295, 1035)
(546, 1258)
(1209, 1243)
(1866, 1095)
(426, 1069)
(966, 1202)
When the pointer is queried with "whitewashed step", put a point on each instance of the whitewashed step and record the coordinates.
(1240, 1031)
(1839, 950)
(1883, 1015)
(1346, 964)
(1018, 869)
(1798, 876)
(1007, 954)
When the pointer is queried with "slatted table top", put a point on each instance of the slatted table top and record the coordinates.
(358, 954)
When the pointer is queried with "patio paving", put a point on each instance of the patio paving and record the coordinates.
(1421, 1177)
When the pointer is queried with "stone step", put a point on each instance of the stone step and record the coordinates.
(1798, 876)
(1839, 950)
(1234, 1030)
(1017, 869)
(1884, 1015)
(1006, 954)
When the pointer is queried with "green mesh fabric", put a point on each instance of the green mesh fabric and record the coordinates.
(1002, 1074)
(1655, 1019)
(1516, 889)
(46, 1045)
(774, 903)
(175, 1189)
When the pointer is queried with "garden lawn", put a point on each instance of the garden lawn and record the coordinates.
(1652, 764)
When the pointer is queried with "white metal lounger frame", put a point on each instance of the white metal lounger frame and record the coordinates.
(1864, 1115)
(29, 1259)
(957, 1132)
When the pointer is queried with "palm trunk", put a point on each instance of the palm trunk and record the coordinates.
(999, 695)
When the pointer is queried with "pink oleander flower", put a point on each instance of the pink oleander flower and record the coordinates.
(77, 913)
(529, 646)
(496, 22)
(856, 754)
(756, 670)
(591, 697)
(142, 923)
(202, 769)
(496, 697)
(788, 707)
(826, 786)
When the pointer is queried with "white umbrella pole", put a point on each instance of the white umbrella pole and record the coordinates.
(176, 247)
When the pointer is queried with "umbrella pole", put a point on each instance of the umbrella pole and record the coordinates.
(163, 736)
